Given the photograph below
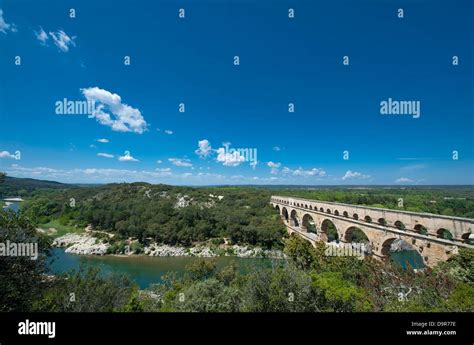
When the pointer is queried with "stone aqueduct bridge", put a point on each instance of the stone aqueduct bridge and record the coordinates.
(424, 231)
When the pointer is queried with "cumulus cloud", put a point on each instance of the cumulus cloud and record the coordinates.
(6, 154)
(273, 167)
(4, 26)
(204, 148)
(181, 162)
(404, 180)
(127, 158)
(276, 148)
(168, 131)
(110, 111)
(230, 159)
(353, 175)
(106, 155)
(102, 140)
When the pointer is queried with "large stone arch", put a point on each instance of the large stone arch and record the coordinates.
(385, 248)
(294, 221)
(309, 223)
(329, 230)
(356, 234)
(285, 215)
(418, 249)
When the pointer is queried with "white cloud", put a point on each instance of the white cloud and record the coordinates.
(404, 180)
(62, 40)
(159, 161)
(168, 131)
(349, 175)
(42, 36)
(276, 148)
(4, 26)
(312, 172)
(204, 148)
(164, 172)
(181, 162)
(127, 158)
(300, 172)
(6, 154)
(106, 155)
(110, 111)
(102, 140)
(274, 167)
(100, 175)
(229, 159)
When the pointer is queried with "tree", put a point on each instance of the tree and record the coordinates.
(207, 296)
(22, 279)
(87, 290)
(202, 269)
(462, 299)
(279, 289)
(339, 295)
(459, 266)
(300, 251)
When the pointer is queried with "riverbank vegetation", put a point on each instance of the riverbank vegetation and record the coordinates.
(309, 281)
(313, 282)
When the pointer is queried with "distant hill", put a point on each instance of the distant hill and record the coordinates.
(13, 186)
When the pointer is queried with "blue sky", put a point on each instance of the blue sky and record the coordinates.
(282, 60)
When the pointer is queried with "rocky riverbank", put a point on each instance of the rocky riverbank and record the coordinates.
(204, 251)
(86, 244)
(81, 244)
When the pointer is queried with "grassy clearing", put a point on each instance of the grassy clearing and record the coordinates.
(61, 229)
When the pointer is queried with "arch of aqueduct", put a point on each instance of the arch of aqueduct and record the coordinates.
(423, 231)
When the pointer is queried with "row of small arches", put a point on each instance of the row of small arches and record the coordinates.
(419, 228)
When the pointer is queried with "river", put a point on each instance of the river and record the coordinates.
(143, 270)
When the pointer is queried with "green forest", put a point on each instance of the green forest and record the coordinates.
(154, 212)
